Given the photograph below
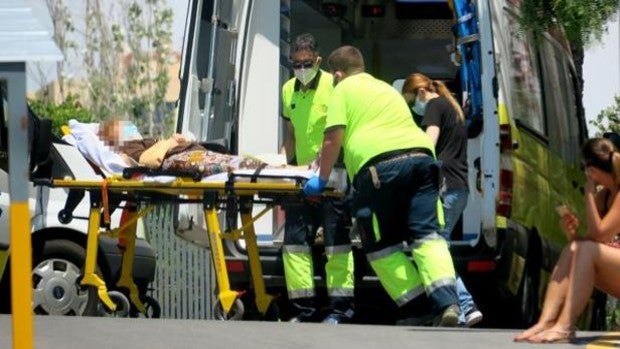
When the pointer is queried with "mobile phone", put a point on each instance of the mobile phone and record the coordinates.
(562, 210)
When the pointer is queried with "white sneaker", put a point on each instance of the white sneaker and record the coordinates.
(473, 317)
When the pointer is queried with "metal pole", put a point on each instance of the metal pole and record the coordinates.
(19, 214)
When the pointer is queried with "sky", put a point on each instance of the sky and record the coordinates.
(39, 8)
(601, 65)
(601, 72)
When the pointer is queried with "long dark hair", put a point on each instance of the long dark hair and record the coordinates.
(602, 154)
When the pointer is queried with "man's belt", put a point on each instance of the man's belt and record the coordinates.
(390, 157)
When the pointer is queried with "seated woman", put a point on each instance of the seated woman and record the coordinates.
(174, 153)
(591, 260)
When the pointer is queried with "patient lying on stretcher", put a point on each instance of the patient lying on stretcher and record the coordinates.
(174, 153)
(114, 145)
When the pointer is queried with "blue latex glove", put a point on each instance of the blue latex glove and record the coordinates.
(314, 186)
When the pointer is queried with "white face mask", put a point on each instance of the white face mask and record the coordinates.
(419, 107)
(305, 75)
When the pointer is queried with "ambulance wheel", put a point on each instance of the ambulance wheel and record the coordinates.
(122, 305)
(527, 297)
(235, 313)
(153, 309)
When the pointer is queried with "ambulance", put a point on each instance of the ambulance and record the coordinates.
(521, 97)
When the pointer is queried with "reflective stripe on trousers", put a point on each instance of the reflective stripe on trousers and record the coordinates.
(396, 273)
(339, 271)
(298, 271)
(436, 268)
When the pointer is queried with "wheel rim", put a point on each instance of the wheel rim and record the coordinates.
(56, 289)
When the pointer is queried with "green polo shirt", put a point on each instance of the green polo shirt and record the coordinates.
(376, 119)
(307, 111)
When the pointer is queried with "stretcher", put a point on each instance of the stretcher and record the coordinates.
(142, 189)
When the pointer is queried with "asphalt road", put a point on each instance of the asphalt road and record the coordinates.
(93, 333)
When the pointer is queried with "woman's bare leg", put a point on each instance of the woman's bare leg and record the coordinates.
(554, 297)
(594, 264)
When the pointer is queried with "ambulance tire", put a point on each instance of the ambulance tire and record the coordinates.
(527, 298)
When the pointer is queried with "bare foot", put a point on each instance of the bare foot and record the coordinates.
(532, 331)
(553, 335)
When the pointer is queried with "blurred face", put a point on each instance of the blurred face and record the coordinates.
(110, 132)
(115, 133)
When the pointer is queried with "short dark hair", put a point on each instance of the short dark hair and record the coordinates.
(305, 42)
(347, 59)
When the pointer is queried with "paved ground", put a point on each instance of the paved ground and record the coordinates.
(94, 333)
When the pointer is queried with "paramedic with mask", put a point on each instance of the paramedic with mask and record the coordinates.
(304, 107)
(391, 163)
(443, 120)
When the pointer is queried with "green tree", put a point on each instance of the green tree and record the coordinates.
(127, 62)
(582, 21)
(608, 119)
(149, 39)
(126, 52)
(61, 113)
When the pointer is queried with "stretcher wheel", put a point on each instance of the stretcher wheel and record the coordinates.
(122, 305)
(153, 309)
(235, 313)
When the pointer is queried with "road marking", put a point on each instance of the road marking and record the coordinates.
(606, 341)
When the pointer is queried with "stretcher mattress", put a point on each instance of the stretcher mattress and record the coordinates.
(83, 171)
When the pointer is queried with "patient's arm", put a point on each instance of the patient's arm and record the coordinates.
(154, 156)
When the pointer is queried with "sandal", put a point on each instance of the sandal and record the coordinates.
(553, 336)
(530, 332)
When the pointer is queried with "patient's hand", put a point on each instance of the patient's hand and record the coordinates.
(179, 138)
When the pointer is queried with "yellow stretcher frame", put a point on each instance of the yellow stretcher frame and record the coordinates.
(211, 194)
